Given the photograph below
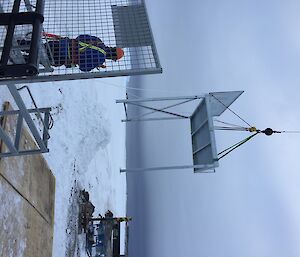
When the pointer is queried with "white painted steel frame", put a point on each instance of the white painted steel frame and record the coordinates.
(24, 114)
(198, 168)
(77, 76)
(203, 168)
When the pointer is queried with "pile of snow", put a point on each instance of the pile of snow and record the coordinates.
(87, 148)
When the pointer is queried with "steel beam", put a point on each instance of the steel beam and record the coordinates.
(25, 152)
(7, 141)
(18, 131)
(151, 119)
(81, 75)
(24, 112)
(179, 167)
(160, 99)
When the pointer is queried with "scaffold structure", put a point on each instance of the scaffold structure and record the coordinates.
(58, 40)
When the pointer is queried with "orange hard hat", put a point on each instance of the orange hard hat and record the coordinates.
(120, 53)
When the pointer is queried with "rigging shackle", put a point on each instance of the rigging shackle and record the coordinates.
(252, 129)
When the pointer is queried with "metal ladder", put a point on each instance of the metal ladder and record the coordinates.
(23, 114)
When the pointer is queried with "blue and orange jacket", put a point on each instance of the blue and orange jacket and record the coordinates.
(91, 52)
(87, 51)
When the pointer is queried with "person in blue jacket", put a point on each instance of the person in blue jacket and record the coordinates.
(88, 52)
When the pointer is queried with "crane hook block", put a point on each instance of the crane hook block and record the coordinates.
(268, 131)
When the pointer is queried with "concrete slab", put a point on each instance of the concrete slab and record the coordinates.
(27, 194)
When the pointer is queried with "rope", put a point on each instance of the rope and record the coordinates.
(285, 131)
(235, 146)
(159, 110)
(167, 107)
(230, 128)
(231, 110)
(230, 124)
(232, 146)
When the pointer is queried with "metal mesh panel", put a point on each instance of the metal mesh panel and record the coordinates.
(117, 23)
(131, 26)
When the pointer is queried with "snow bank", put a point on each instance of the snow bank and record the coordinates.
(87, 145)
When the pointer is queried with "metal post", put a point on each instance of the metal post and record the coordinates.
(36, 35)
(22, 152)
(18, 131)
(169, 168)
(9, 34)
(159, 99)
(15, 112)
(151, 119)
(7, 141)
(46, 135)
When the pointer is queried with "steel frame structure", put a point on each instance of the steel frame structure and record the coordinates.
(23, 114)
(204, 122)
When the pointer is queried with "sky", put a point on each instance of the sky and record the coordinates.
(249, 206)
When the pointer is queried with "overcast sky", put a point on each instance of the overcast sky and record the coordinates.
(249, 207)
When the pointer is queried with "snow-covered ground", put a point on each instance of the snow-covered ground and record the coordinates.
(87, 148)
